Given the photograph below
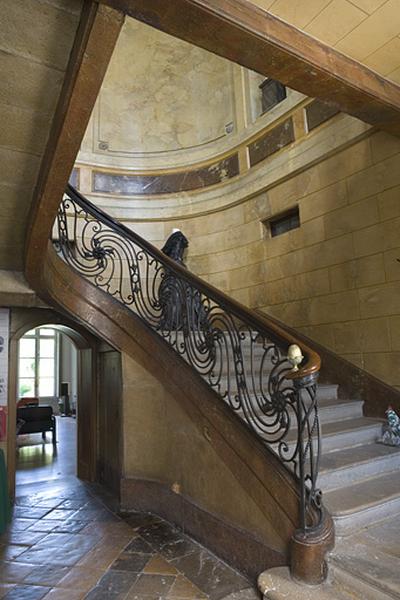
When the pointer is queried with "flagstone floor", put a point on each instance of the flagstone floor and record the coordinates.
(65, 543)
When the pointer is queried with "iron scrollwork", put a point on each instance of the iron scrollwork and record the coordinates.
(241, 361)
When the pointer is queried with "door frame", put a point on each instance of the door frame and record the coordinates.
(86, 346)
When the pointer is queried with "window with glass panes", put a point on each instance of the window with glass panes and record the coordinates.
(37, 363)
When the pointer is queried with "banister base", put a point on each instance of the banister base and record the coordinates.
(308, 551)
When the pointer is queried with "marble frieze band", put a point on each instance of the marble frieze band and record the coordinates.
(167, 183)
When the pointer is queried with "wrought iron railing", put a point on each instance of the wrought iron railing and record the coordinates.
(239, 354)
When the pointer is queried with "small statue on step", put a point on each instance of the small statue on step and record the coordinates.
(180, 303)
(175, 246)
(391, 429)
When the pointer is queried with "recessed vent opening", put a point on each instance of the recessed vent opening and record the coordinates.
(283, 222)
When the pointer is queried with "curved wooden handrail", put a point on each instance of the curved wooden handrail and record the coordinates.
(281, 337)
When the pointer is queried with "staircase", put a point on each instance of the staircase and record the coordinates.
(358, 477)
(242, 357)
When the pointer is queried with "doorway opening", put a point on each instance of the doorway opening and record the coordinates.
(47, 397)
(45, 354)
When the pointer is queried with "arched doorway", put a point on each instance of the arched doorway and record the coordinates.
(85, 346)
(47, 400)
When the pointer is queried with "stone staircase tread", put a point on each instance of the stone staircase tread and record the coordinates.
(341, 459)
(332, 427)
(331, 402)
(363, 495)
(345, 426)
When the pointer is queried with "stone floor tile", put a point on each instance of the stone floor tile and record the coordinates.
(130, 562)
(117, 581)
(67, 540)
(10, 551)
(5, 588)
(139, 545)
(115, 542)
(249, 594)
(27, 592)
(138, 519)
(95, 514)
(70, 527)
(19, 524)
(44, 525)
(28, 500)
(151, 585)
(183, 588)
(80, 578)
(209, 574)
(118, 528)
(22, 538)
(72, 504)
(13, 572)
(30, 512)
(59, 549)
(159, 534)
(178, 548)
(48, 575)
(63, 594)
(60, 514)
(101, 558)
(158, 565)
(99, 593)
(49, 503)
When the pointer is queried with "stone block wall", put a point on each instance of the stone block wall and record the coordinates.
(336, 278)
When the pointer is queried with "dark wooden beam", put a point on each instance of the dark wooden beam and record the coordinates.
(254, 38)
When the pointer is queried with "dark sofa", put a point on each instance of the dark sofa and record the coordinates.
(36, 419)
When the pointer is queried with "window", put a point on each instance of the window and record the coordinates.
(284, 222)
(38, 353)
(272, 93)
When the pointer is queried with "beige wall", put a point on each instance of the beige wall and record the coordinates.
(36, 40)
(161, 443)
(337, 277)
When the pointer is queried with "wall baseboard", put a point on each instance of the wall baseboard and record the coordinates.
(237, 547)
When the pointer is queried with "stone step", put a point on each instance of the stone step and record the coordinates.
(327, 391)
(356, 506)
(345, 434)
(349, 433)
(331, 410)
(345, 467)
(358, 585)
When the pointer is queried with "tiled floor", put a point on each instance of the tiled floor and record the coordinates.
(65, 543)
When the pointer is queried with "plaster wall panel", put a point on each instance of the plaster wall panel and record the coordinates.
(162, 94)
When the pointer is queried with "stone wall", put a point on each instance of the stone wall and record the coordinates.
(337, 277)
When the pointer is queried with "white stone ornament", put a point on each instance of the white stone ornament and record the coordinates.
(295, 356)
